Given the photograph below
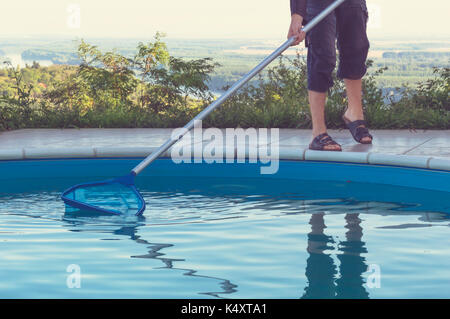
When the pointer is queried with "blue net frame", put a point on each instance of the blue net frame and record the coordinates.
(117, 196)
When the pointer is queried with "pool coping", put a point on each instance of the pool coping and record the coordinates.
(285, 153)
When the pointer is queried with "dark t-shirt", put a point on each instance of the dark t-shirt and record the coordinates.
(299, 7)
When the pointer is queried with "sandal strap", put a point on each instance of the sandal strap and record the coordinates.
(362, 132)
(355, 124)
(359, 129)
(322, 140)
(323, 137)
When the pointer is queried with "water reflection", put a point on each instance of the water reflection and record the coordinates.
(154, 253)
(324, 278)
(353, 265)
(154, 249)
(322, 273)
(320, 268)
(334, 267)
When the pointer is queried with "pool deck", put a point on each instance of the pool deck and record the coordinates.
(426, 149)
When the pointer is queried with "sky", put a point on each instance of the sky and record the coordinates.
(258, 19)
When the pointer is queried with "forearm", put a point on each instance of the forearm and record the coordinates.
(298, 11)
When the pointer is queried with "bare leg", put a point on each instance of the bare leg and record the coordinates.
(317, 106)
(354, 94)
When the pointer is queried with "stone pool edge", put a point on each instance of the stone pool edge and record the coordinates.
(285, 153)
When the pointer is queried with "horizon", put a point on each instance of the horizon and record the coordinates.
(43, 36)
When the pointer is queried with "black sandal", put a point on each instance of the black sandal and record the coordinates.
(321, 141)
(358, 129)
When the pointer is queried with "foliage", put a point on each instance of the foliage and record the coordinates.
(427, 105)
(151, 88)
(21, 99)
(168, 80)
(433, 93)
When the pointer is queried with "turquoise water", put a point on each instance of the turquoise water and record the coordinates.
(229, 237)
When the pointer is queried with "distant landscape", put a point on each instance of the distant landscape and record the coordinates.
(408, 61)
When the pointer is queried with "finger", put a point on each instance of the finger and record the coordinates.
(290, 33)
(302, 36)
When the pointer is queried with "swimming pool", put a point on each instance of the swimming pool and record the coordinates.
(313, 230)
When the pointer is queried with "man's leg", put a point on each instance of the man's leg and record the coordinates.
(354, 111)
(321, 61)
(353, 46)
(317, 102)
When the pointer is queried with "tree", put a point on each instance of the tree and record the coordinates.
(22, 98)
(109, 76)
(170, 81)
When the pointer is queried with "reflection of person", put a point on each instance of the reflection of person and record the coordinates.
(347, 24)
(350, 284)
(320, 268)
(321, 271)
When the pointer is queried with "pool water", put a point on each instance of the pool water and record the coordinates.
(234, 237)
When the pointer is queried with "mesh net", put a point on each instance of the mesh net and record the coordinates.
(112, 197)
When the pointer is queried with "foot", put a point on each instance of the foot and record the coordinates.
(359, 130)
(323, 142)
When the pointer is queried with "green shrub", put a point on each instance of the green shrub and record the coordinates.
(154, 89)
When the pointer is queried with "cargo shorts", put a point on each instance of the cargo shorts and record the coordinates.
(347, 24)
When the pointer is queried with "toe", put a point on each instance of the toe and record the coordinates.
(366, 139)
(332, 147)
